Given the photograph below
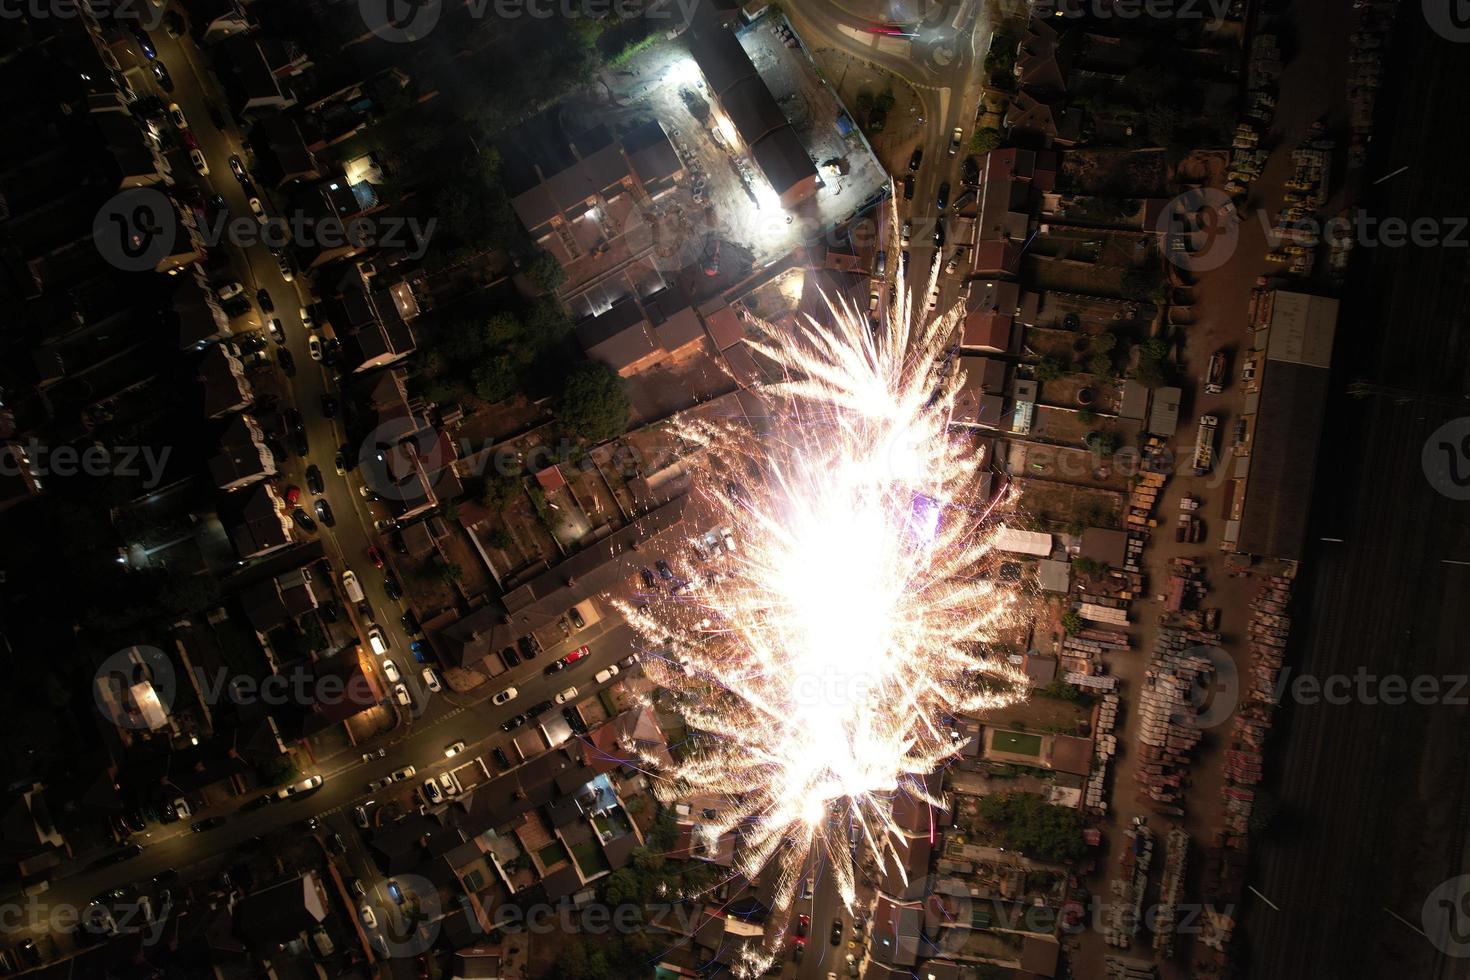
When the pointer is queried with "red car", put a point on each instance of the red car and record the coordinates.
(803, 923)
(576, 655)
(293, 494)
(375, 556)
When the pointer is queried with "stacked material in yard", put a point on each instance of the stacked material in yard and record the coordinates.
(1098, 613)
(1123, 917)
(1269, 629)
(1168, 711)
(1171, 889)
(1105, 746)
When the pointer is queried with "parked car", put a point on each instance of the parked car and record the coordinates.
(237, 166)
(449, 784)
(500, 757)
(381, 753)
(375, 556)
(228, 290)
(314, 347)
(431, 680)
(400, 775)
(297, 790)
(360, 815)
(908, 187)
(575, 615)
(314, 479)
(369, 920)
(664, 571)
(565, 696)
(329, 405)
(391, 586)
(173, 24)
(176, 116)
(284, 267)
(648, 578)
(377, 640)
(606, 674)
(340, 463)
(454, 748)
(278, 333)
(514, 721)
(324, 512)
(505, 696)
(200, 164)
(306, 320)
(432, 793)
(257, 209)
(836, 936)
(954, 140)
(208, 823)
(287, 362)
(161, 75)
(390, 671)
(906, 234)
(303, 520)
(510, 657)
(401, 695)
(527, 646)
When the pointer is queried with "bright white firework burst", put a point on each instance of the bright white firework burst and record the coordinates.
(820, 661)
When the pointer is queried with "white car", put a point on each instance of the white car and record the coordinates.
(400, 694)
(200, 164)
(399, 775)
(431, 790)
(566, 695)
(257, 209)
(177, 115)
(369, 920)
(729, 542)
(431, 680)
(285, 268)
(390, 671)
(228, 290)
(453, 749)
(377, 640)
(502, 697)
(296, 789)
(278, 333)
(314, 346)
(306, 320)
(606, 674)
(954, 140)
(448, 784)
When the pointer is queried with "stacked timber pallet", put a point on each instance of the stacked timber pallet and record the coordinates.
(1097, 612)
(1167, 714)
(1171, 889)
(1124, 916)
(1269, 630)
(1105, 747)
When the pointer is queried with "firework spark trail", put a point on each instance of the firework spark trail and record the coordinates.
(819, 660)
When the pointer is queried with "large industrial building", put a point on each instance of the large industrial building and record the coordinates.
(755, 119)
(1272, 455)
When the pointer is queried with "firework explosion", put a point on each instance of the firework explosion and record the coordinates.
(821, 660)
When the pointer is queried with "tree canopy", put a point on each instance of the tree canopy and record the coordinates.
(594, 402)
(1027, 823)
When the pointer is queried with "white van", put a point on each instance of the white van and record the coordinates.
(377, 640)
(351, 587)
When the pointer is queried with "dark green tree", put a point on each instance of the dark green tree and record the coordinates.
(594, 402)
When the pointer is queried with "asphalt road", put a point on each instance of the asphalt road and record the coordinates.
(1375, 798)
